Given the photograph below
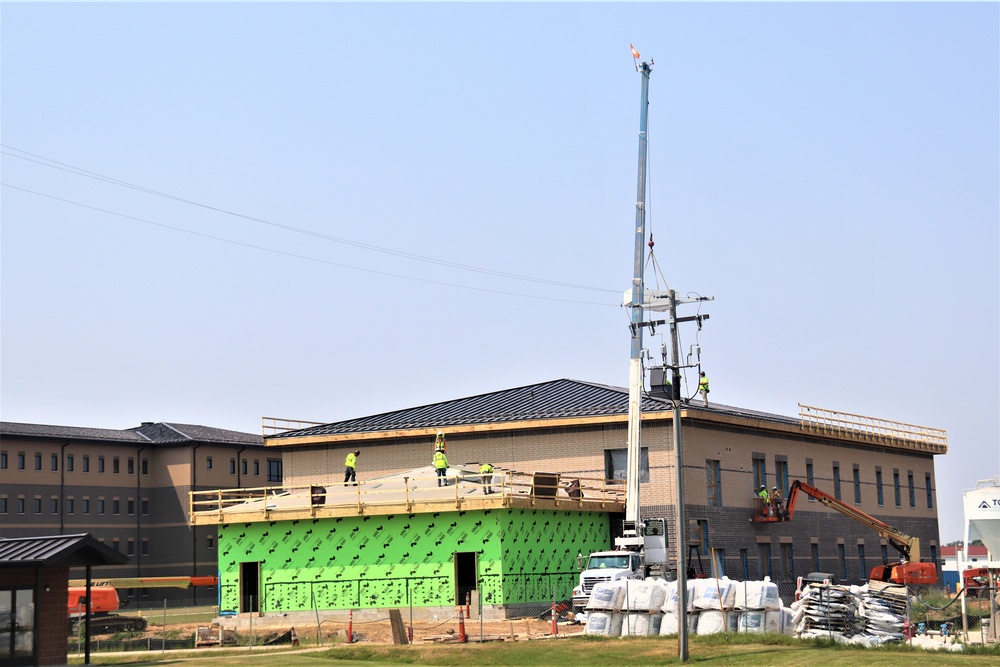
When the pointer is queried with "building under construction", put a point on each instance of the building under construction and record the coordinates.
(559, 450)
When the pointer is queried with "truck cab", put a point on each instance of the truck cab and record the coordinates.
(606, 566)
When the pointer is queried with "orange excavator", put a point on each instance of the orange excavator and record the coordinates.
(104, 602)
(907, 570)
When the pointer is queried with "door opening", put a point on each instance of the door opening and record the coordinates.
(250, 587)
(465, 575)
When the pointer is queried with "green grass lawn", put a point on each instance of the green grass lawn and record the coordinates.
(770, 651)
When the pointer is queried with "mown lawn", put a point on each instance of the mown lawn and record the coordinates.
(580, 652)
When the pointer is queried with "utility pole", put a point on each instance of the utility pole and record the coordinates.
(675, 370)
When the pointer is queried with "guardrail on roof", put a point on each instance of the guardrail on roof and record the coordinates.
(873, 428)
(275, 425)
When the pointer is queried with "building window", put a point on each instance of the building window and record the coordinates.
(861, 562)
(116, 544)
(745, 562)
(38, 461)
(934, 556)
(764, 560)
(54, 464)
(145, 546)
(243, 467)
(274, 471)
(878, 486)
(130, 465)
(130, 548)
(857, 485)
(3, 504)
(68, 505)
(781, 476)
(20, 504)
(38, 505)
(787, 561)
(69, 463)
(885, 554)
(759, 471)
(100, 505)
(20, 460)
(116, 506)
(131, 506)
(208, 462)
(86, 463)
(115, 465)
(842, 555)
(100, 464)
(836, 481)
(895, 487)
(3, 460)
(256, 467)
(54, 505)
(232, 466)
(909, 483)
(713, 472)
(145, 506)
(145, 466)
(930, 494)
(210, 542)
(814, 548)
(85, 505)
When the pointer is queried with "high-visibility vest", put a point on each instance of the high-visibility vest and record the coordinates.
(485, 469)
(440, 460)
(703, 383)
(351, 461)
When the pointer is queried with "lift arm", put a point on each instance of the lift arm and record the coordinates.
(907, 545)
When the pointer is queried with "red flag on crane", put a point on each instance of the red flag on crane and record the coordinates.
(635, 54)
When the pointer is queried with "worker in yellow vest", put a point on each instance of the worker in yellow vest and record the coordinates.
(350, 467)
(486, 474)
(440, 442)
(703, 387)
(441, 466)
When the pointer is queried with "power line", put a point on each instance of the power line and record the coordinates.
(54, 164)
(297, 256)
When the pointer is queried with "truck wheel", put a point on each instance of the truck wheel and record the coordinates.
(74, 626)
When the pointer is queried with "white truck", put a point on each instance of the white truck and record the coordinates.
(631, 560)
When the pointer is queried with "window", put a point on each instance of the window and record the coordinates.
(100, 464)
(145, 506)
(38, 461)
(116, 506)
(243, 467)
(615, 464)
(100, 505)
(787, 561)
(836, 481)
(20, 504)
(274, 472)
(232, 466)
(842, 555)
(781, 475)
(85, 505)
(145, 466)
(115, 465)
(69, 463)
(861, 562)
(38, 505)
(934, 556)
(764, 560)
(745, 562)
(895, 486)
(20, 460)
(145, 546)
(713, 472)
(130, 548)
(130, 465)
(857, 485)
(909, 483)
(116, 544)
(54, 505)
(759, 471)
(878, 486)
(720, 562)
(3, 460)
(68, 505)
(814, 548)
(810, 477)
(3, 504)
(131, 506)
(54, 464)
(885, 554)
(208, 462)
(86, 463)
(210, 542)
(930, 493)
(256, 467)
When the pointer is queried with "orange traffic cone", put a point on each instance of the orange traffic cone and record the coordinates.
(295, 638)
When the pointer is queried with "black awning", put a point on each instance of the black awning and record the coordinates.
(57, 551)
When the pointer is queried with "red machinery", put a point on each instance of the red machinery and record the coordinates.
(104, 602)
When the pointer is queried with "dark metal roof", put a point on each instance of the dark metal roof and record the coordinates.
(149, 433)
(57, 551)
(546, 400)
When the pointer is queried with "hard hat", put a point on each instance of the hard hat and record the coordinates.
(763, 486)
(775, 488)
(441, 433)
(357, 452)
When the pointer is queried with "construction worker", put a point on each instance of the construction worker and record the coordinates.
(486, 474)
(440, 442)
(350, 467)
(775, 500)
(441, 465)
(765, 499)
(703, 389)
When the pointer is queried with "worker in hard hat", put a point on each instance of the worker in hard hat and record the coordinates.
(703, 388)
(350, 467)
(440, 442)
(776, 503)
(486, 474)
(441, 466)
(765, 500)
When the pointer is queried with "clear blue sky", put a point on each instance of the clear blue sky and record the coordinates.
(828, 172)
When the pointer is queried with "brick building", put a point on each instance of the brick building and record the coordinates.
(129, 489)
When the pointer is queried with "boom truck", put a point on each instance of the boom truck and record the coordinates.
(104, 601)
(907, 570)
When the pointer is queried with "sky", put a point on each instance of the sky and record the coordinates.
(214, 213)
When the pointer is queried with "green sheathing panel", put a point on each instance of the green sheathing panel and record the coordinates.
(395, 560)
(541, 548)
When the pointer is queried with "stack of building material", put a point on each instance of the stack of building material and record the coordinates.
(606, 600)
(868, 615)
(760, 607)
(669, 624)
(884, 608)
(715, 601)
(641, 607)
